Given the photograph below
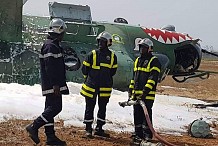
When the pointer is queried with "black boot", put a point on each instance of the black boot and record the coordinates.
(88, 132)
(53, 140)
(147, 134)
(100, 132)
(33, 133)
(138, 132)
(32, 129)
(136, 140)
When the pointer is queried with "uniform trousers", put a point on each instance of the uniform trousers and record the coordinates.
(90, 106)
(53, 106)
(141, 127)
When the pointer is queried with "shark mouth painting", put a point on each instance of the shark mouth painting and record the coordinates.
(166, 37)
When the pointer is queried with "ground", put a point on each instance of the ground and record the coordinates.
(13, 133)
(194, 88)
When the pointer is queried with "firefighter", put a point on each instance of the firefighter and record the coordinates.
(143, 87)
(53, 82)
(98, 68)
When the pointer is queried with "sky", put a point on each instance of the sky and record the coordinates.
(171, 114)
(197, 18)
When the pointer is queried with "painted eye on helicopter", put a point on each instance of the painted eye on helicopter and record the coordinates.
(117, 38)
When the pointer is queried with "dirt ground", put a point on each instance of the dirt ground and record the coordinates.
(206, 90)
(13, 133)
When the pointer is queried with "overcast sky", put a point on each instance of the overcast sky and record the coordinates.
(198, 18)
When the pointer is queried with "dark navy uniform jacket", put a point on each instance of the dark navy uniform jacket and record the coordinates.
(145, 77)
(99, 67)
(52, 67)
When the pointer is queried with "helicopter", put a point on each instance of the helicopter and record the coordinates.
(22, 36)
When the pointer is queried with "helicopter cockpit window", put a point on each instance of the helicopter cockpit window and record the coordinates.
(121, 20)
(186, 59)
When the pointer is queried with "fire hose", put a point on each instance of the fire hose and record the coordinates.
(131, 102)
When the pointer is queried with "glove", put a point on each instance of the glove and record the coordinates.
(85, 76)
(133, 98)
(141, 96)
(129, 94)
(122, 104)
(56, 90)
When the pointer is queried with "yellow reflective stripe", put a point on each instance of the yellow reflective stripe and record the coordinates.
(147, 69)
(94, 57)
(138, 96)
(149, 86)
(131, 86)
(86, 94)
(88, 88)
(132, 97)
(155, 68)
(149, 63)
(133, 91)
(105, 94)
(95, 67)
(111, 64)
(86, 63)
(105, 89)
(151, 81)
(84, 76)
(149, 97)
(143, 69)
(105, 65)
(115, 66)
(152, 92)
(138, 92)
(112, 59)
(135, 64)
(94, 60)
(132, 81)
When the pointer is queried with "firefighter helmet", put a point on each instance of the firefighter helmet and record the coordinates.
(105, 36)
(146, 42)
(57, 26)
